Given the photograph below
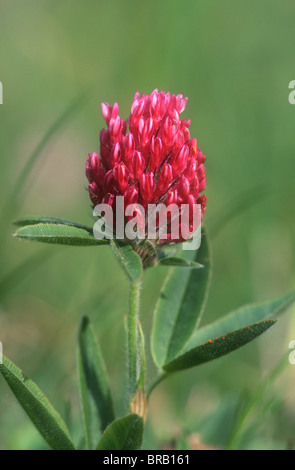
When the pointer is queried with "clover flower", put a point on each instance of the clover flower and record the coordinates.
(157, 161)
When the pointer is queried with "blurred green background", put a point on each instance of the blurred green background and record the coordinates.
(234, 60)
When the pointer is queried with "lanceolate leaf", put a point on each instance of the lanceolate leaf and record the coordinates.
(217, 347)
(96, 401)
(179, 262)
(180, 305)
(129, 261)
(39, 409)
(242, 317)
(58, 234)
(123, 434)
(34, 220)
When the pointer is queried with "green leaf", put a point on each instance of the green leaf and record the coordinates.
(129, 261)
(123, 434)
(34, 220)
(241, 318)
(46, 419)
(58, 234)
(180, 306)
(179, 262)
(96, 401)
(218, 347)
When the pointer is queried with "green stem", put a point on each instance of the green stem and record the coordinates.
(132, 335)
(142, 372)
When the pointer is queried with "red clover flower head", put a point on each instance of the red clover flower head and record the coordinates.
(156, 161)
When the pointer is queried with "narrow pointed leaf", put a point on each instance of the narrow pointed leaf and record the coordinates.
(217, 347)
(242, 317)
(58, 234)
(180, 306)
(96, 401)
(179, 262)
(129, 261)
(34, 220)
(123, 434)
(46, 419)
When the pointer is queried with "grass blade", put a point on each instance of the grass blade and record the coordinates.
(17, 191)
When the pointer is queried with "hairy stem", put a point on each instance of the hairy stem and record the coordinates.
(132, 336)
